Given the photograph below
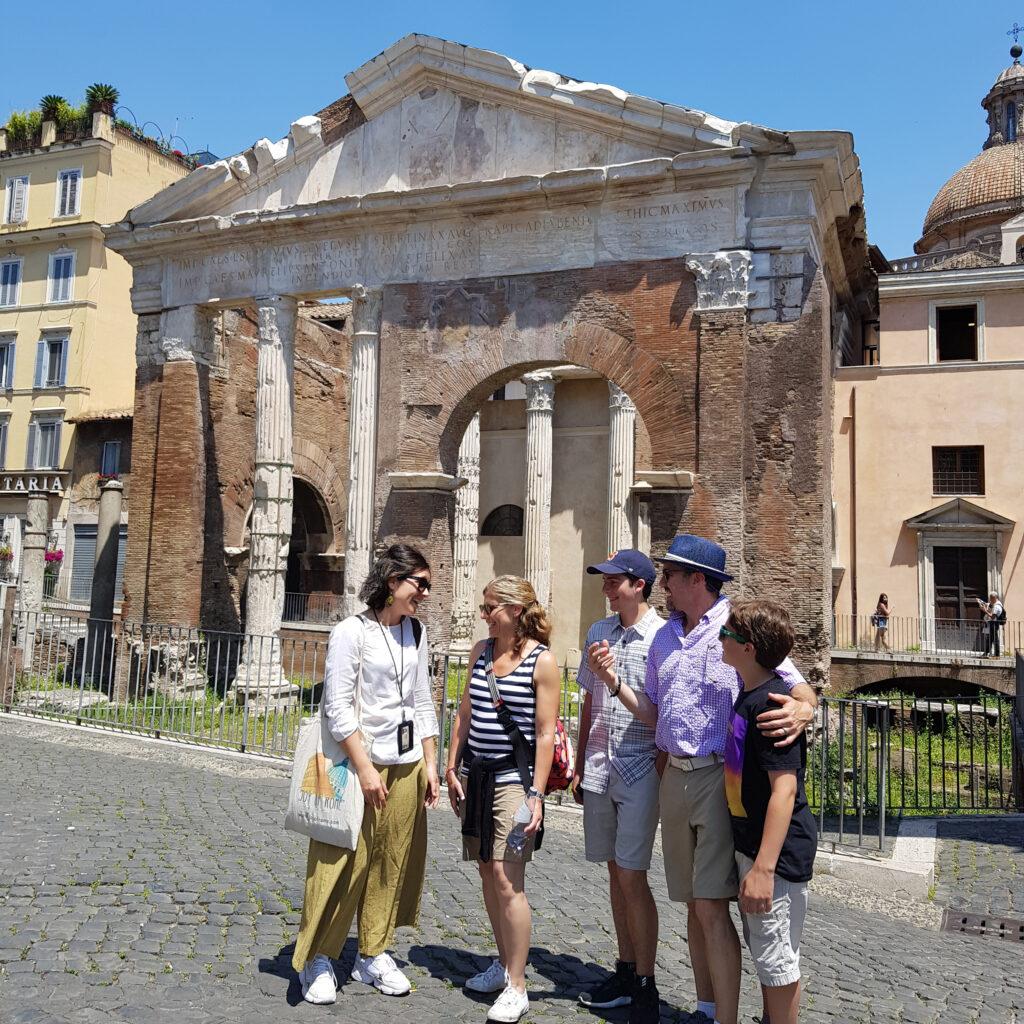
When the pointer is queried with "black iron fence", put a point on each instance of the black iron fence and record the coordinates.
(868, 759)
(940, 637)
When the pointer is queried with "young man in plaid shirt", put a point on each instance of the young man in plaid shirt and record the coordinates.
(617, 783)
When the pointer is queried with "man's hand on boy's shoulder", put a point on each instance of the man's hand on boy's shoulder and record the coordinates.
(785, 723)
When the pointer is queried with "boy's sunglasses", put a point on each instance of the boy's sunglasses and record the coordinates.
(725, 632)
(422, 585)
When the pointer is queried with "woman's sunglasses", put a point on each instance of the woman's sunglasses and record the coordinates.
(489, 609)
(421, 584)
(726, 632)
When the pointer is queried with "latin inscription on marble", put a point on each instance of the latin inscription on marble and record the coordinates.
(650, 227)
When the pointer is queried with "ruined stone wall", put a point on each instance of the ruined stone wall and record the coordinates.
(177, 569)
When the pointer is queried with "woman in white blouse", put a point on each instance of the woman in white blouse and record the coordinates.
(391, 741)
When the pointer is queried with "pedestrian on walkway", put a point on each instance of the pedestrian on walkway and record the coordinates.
(378, 705)
(880, 620)
(995, 616)
(688, 696)
(617, 784)
(498, 771)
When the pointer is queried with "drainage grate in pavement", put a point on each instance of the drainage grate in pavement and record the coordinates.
(983, 925)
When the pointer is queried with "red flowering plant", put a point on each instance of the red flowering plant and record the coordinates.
(54, 557)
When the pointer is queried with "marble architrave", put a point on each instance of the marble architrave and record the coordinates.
(430, 248)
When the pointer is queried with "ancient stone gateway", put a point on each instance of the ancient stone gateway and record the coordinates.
(489, 221)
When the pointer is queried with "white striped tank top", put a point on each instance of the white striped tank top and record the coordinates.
(486, 735)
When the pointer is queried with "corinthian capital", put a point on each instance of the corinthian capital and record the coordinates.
(722, 278)
(540, 391)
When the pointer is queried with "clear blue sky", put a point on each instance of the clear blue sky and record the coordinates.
(904, 76)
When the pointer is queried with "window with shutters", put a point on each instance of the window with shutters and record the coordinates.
(110, 463)
(10, 282)
(44, 444)
(51, 363)
(6, 361)
(62, 276)
(16, 200)
(69, 191)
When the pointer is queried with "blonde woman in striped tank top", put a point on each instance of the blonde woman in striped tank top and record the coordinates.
(485, 785)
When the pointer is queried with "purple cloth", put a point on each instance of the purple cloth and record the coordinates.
(693, 688)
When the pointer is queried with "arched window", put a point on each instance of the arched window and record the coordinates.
(504, 521)
(1011, 121)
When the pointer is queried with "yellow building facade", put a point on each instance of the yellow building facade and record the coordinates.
(67, 331)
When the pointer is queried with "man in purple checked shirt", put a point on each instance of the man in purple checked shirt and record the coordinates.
(688, 695)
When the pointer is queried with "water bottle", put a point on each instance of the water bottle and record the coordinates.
(517, 837)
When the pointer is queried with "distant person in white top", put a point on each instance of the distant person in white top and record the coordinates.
(382, 651)
(994, 618)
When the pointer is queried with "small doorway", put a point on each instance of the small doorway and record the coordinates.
(961, 578)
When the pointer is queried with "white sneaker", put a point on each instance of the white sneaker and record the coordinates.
(510, 1006)
(381, 972)
(318, 981)
(494, 979)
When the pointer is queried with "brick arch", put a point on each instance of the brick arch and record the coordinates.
(312, 466)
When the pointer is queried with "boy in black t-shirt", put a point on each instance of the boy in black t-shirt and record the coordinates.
(773, 828)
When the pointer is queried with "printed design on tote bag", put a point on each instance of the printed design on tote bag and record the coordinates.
(324, 779)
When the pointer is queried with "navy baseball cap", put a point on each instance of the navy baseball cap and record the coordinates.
(628, 561)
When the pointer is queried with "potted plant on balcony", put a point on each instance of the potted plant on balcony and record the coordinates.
(51, 105)
(6, 559)
(101, 97)
(53, 559)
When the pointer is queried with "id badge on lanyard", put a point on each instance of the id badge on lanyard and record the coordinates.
(404, 737)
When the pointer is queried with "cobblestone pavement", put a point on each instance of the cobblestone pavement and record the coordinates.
(145, 883)
(980, 865)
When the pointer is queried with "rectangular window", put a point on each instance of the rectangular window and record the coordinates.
(62, 276)
(51, 363)
(958, 470)
(69, 189)
(3, 441)
(16, 200)
(10, 282)
(956, 333)
(110, 463)
(43, 444)
(6, 361)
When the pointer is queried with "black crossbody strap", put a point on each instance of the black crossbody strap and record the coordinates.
(522, 751)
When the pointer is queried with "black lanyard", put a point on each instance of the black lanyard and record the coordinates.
(399, 676)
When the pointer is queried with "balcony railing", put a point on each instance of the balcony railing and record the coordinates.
(936, 637)
(321, 609)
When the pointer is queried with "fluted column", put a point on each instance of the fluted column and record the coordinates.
(271, 525)
(621, 430)
(33, 562)
(362, 441)
(467, 511)
(540, 404)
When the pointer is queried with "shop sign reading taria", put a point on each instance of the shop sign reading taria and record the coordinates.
(25, 483)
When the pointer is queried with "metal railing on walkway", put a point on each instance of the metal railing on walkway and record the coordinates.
(941, 638)
(318, 608)
(868, 759)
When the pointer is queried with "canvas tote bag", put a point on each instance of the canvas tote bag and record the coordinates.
(325, 801)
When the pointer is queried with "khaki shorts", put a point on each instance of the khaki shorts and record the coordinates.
(620, 824)
(696, 835)
(774, 938)
(507, 798)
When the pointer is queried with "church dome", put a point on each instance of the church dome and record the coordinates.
(992, 183)
(991, 187)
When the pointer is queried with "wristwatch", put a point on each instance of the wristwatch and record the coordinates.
(534, 792)
(618, 686)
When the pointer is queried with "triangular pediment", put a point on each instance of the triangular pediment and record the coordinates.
(959, 514)
(428, 112)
